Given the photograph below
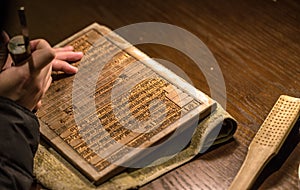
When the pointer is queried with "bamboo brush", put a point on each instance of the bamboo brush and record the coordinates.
(268, 141)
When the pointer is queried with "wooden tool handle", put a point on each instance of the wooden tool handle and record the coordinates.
(251, 168)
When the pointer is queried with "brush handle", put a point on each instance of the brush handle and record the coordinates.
(255, 161)
(268, 141)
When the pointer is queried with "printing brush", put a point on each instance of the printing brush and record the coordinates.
(268, 141)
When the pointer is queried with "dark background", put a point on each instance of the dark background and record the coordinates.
(255, 42)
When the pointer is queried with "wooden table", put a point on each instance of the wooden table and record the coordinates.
(256, 44)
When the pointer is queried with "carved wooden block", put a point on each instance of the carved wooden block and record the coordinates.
(93, 148)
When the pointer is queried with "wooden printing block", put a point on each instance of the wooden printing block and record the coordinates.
(146, 80)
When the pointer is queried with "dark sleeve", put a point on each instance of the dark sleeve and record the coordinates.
(19, 137)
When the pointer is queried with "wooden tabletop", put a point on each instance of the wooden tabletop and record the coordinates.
(256, 44)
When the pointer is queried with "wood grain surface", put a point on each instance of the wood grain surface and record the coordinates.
(256, 44)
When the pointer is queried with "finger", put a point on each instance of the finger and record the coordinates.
(40, 58)
(62, 49)
(38, 106)
(69, 56)
(39, 44)
(48, 77)
(45, 75)
(49, 81)
(59, 65)
(45, 88)
(3, 49)
(41, 80)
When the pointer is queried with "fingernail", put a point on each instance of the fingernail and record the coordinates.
(75, 69)
(79, 53)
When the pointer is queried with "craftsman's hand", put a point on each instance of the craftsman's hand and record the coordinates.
(27, 83)
(63, 56)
